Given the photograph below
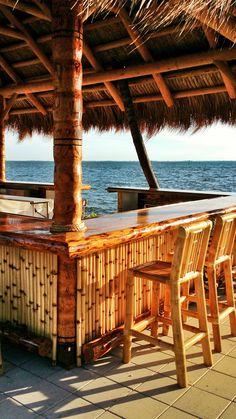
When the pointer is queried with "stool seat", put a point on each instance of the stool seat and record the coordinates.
(151, 270)
(187, 265)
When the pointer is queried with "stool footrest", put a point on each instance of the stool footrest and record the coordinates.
(226, 312)
(151, 339)
(194, 339)
(143, 324)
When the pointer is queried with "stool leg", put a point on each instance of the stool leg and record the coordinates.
(214, 308)
(167, 310)
(185, 304)
(1, 360)
(230, 294)
(155, 307)
(179, 349)
(129, 318)
(201, 309)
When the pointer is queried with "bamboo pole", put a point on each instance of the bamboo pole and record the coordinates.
(137, 136)
(67, 50)
(2, 142)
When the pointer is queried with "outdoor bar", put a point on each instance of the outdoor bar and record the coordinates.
(68, 65)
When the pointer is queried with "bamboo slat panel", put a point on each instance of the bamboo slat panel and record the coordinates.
(101, 282)
(28, 291)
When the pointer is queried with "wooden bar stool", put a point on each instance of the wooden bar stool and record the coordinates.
(220, 256)
(188, 261)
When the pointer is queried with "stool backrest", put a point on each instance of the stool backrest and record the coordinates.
(190, 250)
(222, 241)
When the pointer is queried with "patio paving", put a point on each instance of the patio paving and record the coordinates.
(146, 388)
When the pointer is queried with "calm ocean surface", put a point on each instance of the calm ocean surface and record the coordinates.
(207, 175)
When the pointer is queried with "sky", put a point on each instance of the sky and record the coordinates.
(214, 143)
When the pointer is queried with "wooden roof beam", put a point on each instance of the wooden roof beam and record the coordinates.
(13, 33)
(145, 69)
(44, 8)
(158, 98)
(140, 99)
(28, 38)
(7, 68)
(162, 66)
(146, 55)
(98, 67)
(8, 106)
(227, 75)
(27, 8)
(18, 45)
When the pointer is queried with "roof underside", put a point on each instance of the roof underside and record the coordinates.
(179, 61)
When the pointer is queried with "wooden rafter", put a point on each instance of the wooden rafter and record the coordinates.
(139, 99)
(27, 8)
(147, 57)
(168, 65)
(18, 45)
(161, 66)
(225, 71)
(28, 38)
(98, 67)
(44, 8)
(8, 106)
(13, 33)
(14, 76)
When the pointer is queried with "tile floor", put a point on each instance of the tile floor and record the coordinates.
(146, 388)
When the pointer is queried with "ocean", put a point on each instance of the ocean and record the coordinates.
(192, 175)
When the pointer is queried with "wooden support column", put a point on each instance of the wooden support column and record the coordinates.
(137, 136)
(66, 315)
(2, 142)
(67, 48)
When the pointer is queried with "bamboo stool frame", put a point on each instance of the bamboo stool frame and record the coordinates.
(220, 254)
(188, 262)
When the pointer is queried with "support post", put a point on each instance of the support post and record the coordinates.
(66, 315)
(137, 136)
(2, 143)
(67, 48)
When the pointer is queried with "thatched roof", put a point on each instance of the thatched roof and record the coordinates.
(178, 57)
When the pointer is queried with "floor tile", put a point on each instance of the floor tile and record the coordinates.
(72, 380)
(227, 366)
(17, 355)
(103, 392)
(74, 407)
(108, 415)
(217, 383)
(194, 371)
(230, 412)
(150, 357)
(102, 365)
(10, 409)
(201, 404)
(130, 375)
(161, 388)
(17, 381)
(41, 367)
(41, 397)
(138, 406)
(173, 413)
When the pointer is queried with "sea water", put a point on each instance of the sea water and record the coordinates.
(192, 175)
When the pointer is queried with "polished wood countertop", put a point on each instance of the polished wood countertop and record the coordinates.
(108, 230)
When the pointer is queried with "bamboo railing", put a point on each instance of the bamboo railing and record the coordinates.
(28, 291)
